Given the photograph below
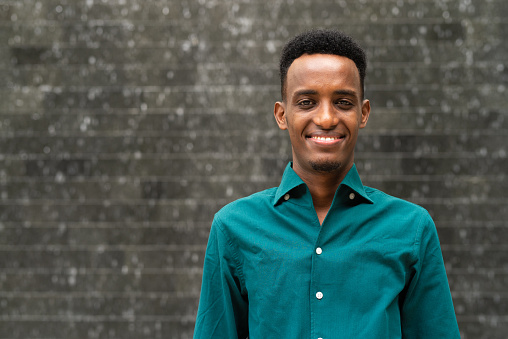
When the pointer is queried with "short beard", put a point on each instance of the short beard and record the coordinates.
(326, 166)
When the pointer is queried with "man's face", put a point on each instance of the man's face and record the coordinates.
(323, 112)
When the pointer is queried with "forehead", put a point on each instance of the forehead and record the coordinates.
(323, 71)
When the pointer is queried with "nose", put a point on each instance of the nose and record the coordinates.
(326, 117)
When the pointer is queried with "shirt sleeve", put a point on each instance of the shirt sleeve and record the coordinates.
(223, 305)
(427, 310)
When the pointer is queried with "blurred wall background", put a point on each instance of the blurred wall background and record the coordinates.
(126, 124)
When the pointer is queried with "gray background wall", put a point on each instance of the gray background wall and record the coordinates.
(124, 125)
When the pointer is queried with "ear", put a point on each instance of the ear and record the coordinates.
(279, 111)
(365, 113)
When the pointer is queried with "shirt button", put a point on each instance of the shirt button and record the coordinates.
(286, 196)
(319, 295)
(351, 196)
(319, 250)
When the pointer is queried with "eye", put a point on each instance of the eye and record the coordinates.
(305, 103)
(344, 103)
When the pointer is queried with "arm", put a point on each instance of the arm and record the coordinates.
(427, 310)
(223, 304)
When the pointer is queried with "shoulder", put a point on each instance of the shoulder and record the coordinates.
(247, 207)
(239, 220)
(395, 205)
(406, 220)
(402, 215)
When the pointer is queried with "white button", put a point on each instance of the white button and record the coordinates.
(352, 196)
(319, 295)
(319, 250)
(286, 196)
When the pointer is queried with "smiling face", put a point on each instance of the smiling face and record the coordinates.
(322, 112)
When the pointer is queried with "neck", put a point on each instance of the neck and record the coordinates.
(322, 187)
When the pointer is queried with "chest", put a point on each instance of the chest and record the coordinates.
(346, 252)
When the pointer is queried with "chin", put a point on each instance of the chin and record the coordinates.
(326, 166)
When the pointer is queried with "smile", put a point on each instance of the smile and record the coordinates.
(326, 140)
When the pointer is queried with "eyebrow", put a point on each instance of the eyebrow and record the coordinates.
(346, 92)
(314, 92)
(305, 92)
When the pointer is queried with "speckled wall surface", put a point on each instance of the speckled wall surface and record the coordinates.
(124, 125)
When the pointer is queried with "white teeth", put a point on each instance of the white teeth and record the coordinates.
(325, 138)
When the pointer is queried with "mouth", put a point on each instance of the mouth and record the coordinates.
(326, 139)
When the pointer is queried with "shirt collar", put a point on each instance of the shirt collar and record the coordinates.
(353, 181)
(291, 180)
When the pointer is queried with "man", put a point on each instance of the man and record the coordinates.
(322, 256)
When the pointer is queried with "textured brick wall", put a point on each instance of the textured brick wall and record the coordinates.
(125, 124)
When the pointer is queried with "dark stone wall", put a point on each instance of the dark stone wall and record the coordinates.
(126, 124)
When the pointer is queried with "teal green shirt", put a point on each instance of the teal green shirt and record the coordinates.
(373, 269)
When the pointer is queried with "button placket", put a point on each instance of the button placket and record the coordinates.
(317, 304)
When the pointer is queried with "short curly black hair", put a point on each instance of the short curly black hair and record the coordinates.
(321, 41)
